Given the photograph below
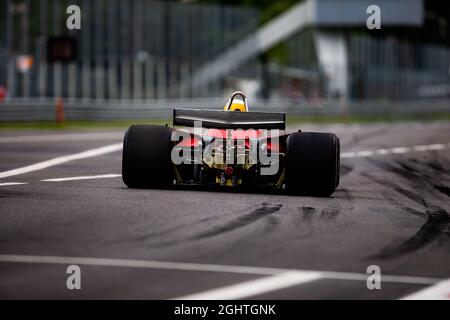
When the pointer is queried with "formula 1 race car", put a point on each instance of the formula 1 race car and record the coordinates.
(231, 148)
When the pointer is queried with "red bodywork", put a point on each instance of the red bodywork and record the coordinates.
(236, 135)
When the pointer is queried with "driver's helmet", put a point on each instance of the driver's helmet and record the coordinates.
(237, 102)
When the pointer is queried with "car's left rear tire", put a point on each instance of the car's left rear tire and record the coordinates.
(146, 159)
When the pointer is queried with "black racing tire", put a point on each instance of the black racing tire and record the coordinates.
(312, 163)
(146, 159)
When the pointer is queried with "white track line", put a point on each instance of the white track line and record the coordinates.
(184, 266)
(256, 287)
(60, 160)
(4, 184)
(146, 264)
(103, 176)
(397, 150)
(118, 146)
(384, 278)
(64, 137)
(440, 291)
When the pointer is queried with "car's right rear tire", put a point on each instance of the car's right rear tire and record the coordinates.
(146, 157)
(312, 163)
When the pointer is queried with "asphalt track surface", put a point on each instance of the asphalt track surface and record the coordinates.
(391, 210)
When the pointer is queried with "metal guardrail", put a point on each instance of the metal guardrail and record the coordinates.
(25, 110)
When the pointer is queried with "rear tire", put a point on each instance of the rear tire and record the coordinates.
(312, 163)
(146, 157)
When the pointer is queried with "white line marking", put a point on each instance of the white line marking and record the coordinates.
(4, 184)
(256, 287)
(438, 146)
(401, 150)
(397, 150)
(147, 264)
(364, 154)
(385, 277)
(64, 137)
(382, 152)
(440, 291)
(421, 148)
(103, 176)
(63, 159)
(185, 266)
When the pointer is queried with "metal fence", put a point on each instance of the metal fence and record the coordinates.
(397, 69)
(45, 110)
(149, 50)
(137, 49)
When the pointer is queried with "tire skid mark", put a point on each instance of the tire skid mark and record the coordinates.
(308, 213)
(436, 227)
(409, 194)
(329, 214)
(347, 195)
(265, 210)
(430, 178)
(417, 198)
(345, 169)
(444, 190)
(420, 181)
(171, 230)
(414, 212)
(435, 165)
(12, 194)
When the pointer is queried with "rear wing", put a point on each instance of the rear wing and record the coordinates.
(229, 119)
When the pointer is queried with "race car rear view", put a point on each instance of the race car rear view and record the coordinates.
(231, 148)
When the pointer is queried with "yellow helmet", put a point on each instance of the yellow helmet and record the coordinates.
(237, 104)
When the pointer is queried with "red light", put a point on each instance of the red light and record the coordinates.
(228, 171)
